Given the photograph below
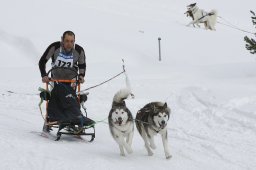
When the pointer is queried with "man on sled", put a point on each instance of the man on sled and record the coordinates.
(68, 70)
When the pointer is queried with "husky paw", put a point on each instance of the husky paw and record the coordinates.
(150, 154)
(129, 151)
(153, 146)
(168, 156)
(122, 154)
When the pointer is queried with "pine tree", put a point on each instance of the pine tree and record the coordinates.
(251, 43)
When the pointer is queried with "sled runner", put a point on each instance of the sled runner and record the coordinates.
(63, 108)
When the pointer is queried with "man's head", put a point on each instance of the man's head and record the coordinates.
(68, 40)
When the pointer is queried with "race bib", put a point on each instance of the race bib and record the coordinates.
(64, 60)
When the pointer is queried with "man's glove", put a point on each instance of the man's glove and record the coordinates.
(45, 79)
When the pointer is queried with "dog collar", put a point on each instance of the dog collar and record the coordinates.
(157, 129)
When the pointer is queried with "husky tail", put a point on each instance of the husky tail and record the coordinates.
(121, 95)
(124, 93)
(214, 16)
(213, 19)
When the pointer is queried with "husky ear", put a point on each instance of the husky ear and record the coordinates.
(192, 5)
(165, 105)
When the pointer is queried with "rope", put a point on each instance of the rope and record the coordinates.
(106, 80)
(226, 21)
(96, 122)
(28, 94)
(229, 24)
(41, 101)
(103, 121)
(39, 105)
(103, 82)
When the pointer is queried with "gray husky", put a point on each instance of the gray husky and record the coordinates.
(121, 121)
(152, 120)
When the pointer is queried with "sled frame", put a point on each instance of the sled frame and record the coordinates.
(63, 126)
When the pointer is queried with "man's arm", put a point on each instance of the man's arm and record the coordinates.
(81, 61)
(45, 57)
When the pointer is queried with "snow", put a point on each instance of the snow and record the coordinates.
(206, 77)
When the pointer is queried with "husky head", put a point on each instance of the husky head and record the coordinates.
(120, 115)
(192, 8)
(161, 113)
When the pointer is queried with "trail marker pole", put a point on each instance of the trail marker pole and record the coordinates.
(159, 46)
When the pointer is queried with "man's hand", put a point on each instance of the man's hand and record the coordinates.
(45, 79)
(81, 79)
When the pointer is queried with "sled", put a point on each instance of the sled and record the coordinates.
(69, 127)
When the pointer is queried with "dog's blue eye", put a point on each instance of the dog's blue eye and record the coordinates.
(122, 112)
(116, 112)
(164, 115)
(159, 116)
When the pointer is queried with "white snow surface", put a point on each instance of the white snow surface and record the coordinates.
(206, 77)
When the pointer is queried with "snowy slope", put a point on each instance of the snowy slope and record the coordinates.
(207, 78)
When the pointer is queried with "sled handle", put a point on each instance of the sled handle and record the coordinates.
(62, 81)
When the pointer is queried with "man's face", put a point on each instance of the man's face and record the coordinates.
(68, 42)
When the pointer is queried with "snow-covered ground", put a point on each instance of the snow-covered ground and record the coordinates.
(206, 77)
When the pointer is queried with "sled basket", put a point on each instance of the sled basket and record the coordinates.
(81, 125)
